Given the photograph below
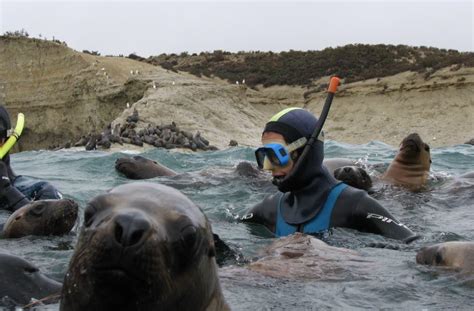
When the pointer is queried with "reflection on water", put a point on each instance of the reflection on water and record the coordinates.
(393, 280)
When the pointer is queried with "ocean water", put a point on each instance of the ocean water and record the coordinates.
(444, 212)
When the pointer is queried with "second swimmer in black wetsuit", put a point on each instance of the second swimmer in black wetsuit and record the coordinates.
(309, 199)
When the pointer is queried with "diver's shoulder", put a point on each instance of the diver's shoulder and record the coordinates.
(354, 192)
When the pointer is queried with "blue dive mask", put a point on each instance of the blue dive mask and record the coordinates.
(277, 154)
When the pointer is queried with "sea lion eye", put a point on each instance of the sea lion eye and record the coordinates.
(37, 210)
(31, 269)
(427, 148)
(188, 237)
(89, 213)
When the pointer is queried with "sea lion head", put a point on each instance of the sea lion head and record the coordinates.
(354, 176)
(43, 217)
(138, 167)
(458, 255)
(20, 281)
(414, 150)
(143, 247)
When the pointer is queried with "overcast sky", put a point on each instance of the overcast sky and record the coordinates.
(154, 27)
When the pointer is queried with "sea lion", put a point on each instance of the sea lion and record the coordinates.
(20, 281)
(458, 255)
(467, 175)
(42, 217)
(304, 257)
(354, 176)
(143, 246)
(138, 167)
(334, 163)
(411, 165)
(349, 172)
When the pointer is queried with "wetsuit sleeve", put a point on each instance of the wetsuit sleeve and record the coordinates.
(263, 213)
(47, 192)
(373, 217)
(10, 197)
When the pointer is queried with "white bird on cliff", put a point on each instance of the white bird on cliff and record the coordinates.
(237, 82)
(243, 81)
(172, 83)
(128, 105)
(131, 72)
(154, 85)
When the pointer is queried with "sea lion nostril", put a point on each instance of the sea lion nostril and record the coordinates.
(130, 228)
(347, 169)
(118, 233)
(136, 236)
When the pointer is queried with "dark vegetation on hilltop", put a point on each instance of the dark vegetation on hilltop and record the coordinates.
(351, 62)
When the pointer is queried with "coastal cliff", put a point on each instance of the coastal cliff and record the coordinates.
(66, 94)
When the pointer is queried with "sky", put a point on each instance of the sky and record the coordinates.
(154, 27)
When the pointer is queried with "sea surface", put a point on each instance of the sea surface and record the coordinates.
(444, 212)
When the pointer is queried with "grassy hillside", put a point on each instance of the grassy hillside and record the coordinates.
(352, 62)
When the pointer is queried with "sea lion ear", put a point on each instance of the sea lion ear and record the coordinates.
(212, 245)
(212, 251)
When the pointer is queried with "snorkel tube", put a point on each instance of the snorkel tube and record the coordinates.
(20, 123)
(333, 84)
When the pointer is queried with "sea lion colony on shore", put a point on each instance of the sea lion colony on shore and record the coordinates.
(167, 136)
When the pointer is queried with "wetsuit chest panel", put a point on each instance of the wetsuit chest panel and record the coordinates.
(318, 224)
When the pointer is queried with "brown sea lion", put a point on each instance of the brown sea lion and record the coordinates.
(301, 256)
(143, 246)
(458, 255)
(42, 217)
(354, 176)
(20, 281)
(138, 167)
(411, 165)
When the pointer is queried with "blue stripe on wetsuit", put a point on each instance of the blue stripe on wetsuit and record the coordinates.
(319, 223)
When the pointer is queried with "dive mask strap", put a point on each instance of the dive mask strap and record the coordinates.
(297, 144)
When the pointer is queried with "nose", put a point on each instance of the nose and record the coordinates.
(347, 169)
(130, 228)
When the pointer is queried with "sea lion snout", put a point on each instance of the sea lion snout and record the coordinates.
(430, 255)
(131, 228)
(354, 176)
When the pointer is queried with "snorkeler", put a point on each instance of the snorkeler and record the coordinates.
(16, 191)
(310, 200)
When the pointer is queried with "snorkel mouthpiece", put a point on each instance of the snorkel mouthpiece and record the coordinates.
(284, 184)
(13, 135)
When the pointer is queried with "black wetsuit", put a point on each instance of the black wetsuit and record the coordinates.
(17, 191)
(353, 209)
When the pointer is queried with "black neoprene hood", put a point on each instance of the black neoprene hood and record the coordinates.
(292, 124)
(5, 123)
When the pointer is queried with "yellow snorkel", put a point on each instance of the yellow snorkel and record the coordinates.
(20, 123)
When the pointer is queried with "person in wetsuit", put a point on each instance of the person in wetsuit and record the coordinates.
(16, 191)
(309, 199)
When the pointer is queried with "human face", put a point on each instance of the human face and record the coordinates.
(277, 171)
